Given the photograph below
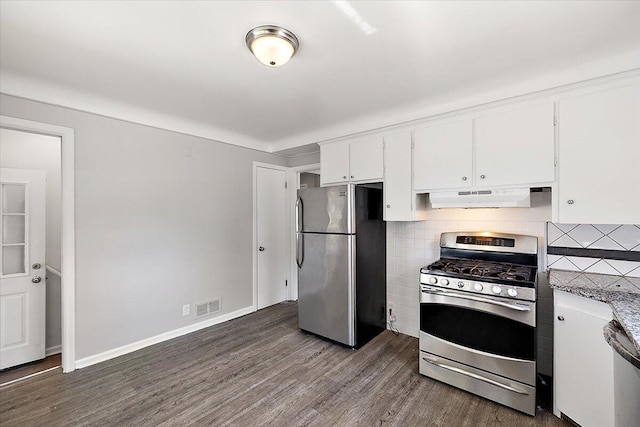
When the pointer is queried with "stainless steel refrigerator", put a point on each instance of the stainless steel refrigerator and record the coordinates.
(341, 256)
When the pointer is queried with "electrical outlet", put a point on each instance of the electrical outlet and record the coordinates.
(186, 309)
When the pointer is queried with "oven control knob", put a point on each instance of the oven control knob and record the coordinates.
(461, 284)
(512, 292)
(444, 282)
(433, 280)
(478, 287)
(496, 289)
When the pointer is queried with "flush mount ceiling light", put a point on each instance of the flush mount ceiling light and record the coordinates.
(272, 45)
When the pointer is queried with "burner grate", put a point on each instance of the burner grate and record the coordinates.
(484, 269)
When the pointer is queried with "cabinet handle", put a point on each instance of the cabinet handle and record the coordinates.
(561, 318)
(344, 176)
(464, 178)
(388, 206)
(351, 176)
(570, 201)
(482, 177)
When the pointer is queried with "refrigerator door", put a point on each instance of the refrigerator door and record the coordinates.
(326, 210)
(326, 287)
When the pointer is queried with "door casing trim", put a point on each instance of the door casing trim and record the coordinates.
(68, 250)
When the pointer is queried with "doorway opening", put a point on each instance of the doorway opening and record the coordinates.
(22, 152)
(29, 145)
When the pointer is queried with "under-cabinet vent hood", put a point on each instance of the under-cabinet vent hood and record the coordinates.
(496, 198)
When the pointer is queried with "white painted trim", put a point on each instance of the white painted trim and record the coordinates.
(288, 220)
(294, 179)
(165, 336)
(56, 349)
(68, 250)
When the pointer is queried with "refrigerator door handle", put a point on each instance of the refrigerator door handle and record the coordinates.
(299, 236)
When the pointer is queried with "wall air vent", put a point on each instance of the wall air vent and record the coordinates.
(207, 308)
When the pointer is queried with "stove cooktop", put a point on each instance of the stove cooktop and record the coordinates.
(485, 271)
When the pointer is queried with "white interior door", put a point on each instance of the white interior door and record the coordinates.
(272, 236)
(22, 278)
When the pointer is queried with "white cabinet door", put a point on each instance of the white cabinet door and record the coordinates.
(334, 163)
(515, 147)
(365, 159)
(442, 156)
(400, 202)
(22, 270)
(599, 157)
(583, 361)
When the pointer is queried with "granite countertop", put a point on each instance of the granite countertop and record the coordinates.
(620, 292)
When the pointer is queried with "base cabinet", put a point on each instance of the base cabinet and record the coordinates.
(583, 361)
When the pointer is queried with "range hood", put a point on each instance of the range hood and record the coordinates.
(495, 198)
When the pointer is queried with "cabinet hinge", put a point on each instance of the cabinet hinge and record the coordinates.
(555, 120)
(286, 283)
(285, 184)
(413, 145)
(555, 161)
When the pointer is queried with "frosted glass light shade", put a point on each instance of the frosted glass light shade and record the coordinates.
(271, 45)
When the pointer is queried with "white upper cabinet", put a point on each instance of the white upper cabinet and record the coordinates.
(508, 148)
(334, 163)
(400, 202)
(599, 157)
(366, 159)
(515, 147)
(443, 156)
(360, 160)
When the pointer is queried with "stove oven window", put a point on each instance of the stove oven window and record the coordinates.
(478, 330)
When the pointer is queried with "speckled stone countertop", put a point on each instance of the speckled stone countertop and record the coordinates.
(621, 293)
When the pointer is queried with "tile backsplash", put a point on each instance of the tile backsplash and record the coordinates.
(595, 248)
(412, 245)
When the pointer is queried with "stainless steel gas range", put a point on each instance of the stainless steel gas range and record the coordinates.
(478, 316)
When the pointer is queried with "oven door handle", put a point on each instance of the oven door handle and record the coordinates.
(475, 376)
(475, 298)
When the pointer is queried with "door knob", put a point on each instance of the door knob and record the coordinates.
(36, 279)
(36, 266)
(261, 248)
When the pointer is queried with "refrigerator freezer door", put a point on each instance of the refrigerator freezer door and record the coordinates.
(326, 210)
(326, 295)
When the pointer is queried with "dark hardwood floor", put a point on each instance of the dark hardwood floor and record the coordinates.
(22, 371)
(256, 370)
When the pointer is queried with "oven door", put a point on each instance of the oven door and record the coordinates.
(489, 333)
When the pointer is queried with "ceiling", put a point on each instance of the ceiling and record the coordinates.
(361, 64)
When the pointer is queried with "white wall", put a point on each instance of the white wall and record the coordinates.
(412, 245)
(162, 219)
(21, 150)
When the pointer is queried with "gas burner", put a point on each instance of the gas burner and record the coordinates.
(487, 270)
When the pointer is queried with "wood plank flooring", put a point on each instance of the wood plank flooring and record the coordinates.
(253, 371)
(12, 374)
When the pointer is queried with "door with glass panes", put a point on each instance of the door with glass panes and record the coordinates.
(22, 275)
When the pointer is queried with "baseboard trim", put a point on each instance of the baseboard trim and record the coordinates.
(129, 348)
(56, 349)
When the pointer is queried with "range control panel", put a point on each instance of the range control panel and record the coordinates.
(477, 287)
